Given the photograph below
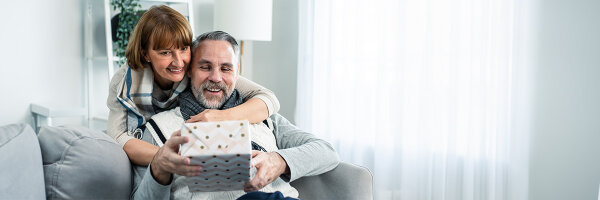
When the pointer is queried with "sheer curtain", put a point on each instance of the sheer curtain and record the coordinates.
(419, 91)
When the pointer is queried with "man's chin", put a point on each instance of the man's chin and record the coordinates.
(212, 105)
(216, 96)
(212, 102)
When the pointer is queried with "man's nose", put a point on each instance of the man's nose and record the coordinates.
(177, 59)
(215, 76)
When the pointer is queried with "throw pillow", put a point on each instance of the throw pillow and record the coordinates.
(80, 163)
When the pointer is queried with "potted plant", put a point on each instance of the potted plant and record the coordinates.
(122, 25)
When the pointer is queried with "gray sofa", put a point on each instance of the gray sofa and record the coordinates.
(79, 163)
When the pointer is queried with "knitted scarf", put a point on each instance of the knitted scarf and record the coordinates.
(136, 96)
(189, 106)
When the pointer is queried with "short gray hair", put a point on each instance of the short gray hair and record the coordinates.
(217, 35)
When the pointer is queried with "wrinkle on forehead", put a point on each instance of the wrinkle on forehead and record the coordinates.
(215, 50)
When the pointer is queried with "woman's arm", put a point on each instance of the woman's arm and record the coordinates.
(139, 152)
(251, 90)
(254, 110)
(259, 104)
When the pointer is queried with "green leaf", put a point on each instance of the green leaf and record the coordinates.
(127, 21)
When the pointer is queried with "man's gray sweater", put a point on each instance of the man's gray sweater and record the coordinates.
(304, 154)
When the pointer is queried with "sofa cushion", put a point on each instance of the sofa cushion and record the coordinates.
(80, 163)
(346, 181)
(21, 168)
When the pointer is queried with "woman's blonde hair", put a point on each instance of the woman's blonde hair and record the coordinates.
(162, 26)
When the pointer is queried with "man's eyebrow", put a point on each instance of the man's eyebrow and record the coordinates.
(203, 61)
(227, 64)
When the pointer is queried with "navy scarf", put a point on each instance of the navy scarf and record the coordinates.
(189, 106)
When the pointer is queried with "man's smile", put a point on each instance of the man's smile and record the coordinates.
(213, 91)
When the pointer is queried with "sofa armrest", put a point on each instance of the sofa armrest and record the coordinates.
(346, 181)
(21, 169)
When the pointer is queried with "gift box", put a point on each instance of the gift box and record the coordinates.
(223, 149)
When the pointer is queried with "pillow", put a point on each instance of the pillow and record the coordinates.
(21, 163)
(80, 163)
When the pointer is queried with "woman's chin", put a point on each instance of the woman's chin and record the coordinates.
(176, 77)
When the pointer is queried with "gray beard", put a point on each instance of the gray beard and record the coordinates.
(199, 94)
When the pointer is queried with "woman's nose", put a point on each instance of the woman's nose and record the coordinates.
(177, 60)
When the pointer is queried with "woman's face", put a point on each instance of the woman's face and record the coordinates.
(169, 64)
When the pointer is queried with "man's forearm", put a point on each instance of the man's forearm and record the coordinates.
(286, 169)
(149, 188)
(304, 154)
(161, 176)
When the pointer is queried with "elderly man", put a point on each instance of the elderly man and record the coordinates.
(290, 152)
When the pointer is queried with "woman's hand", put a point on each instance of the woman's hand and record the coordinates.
(211, 115)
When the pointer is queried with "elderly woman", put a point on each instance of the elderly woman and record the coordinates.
(158, 55)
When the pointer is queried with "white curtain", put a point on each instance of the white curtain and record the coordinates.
(419, 91)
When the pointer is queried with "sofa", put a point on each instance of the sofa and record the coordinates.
(79, 163)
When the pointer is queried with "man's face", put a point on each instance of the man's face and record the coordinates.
(213, 72)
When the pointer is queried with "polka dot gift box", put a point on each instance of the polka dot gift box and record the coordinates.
(223, 149)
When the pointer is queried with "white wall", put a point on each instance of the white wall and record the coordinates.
(565, 161)
(203, 11)
(276, 62)
(42, 56)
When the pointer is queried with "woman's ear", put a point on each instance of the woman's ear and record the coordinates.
(145, 55)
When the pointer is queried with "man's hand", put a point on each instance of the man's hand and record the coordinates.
(269, 166)
(167, 161)
(210, 115)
